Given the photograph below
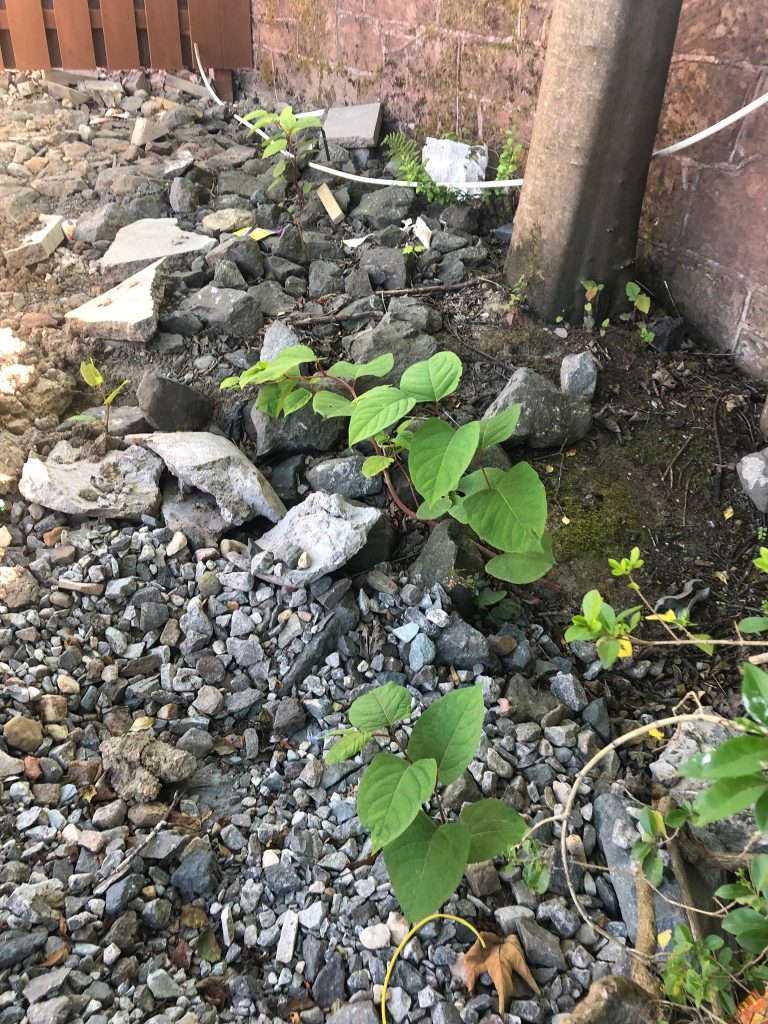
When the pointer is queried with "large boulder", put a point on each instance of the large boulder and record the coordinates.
(121, 485)
(548, 418)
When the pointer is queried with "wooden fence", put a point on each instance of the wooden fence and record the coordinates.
(84, 34)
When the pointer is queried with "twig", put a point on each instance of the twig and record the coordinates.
(681, 876)
(717, 481)
(670, 468)
(118, 873)
(645, 940)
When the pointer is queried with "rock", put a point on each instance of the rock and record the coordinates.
(170, 405)
(195, 514)
(270, 299)
(325, 278)
(753, 474)
(483, 878)
(375, 936)
(214, 465)
(528, 704)
(386, 268)
(18, 587)
(197, 875)
(52, 1011)
(184, 195)
(353, 1013)
(289, 717)
(354, 127)
(227, 310)
(227, 275)
(462, 646)
(329, 528)
(548, 419)
(448, 559)
(302, 431)
(578, 375)
(613, 822)
(123, 419)
(613, 999)
(569, 691)
(287, 941)
(23, 734)
(343, 476)
(244, 252)
(47, 984)
(542, 949)
(389, 205)
(277, 338)
(407, 345)
(162, 985)
(145, 241)
(16, 946)
(38, 244)
(330, 985)
(121, 485)
(228, 220)
(10, 766)
(418, 314)
(138, 764)
(127, 312)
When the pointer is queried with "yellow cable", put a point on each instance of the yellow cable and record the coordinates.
(404, 943)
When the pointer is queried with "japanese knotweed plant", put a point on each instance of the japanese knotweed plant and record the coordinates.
(425, 858)
(407, 428)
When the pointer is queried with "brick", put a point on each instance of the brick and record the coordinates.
(359, 43)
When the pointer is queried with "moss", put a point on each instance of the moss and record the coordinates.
(601, 523)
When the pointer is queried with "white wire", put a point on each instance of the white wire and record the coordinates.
(465, 186)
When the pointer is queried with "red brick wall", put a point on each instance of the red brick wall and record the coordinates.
(473, 67)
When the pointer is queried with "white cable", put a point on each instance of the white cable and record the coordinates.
(465, 186)
(725, 123)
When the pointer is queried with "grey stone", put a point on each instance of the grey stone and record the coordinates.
(227, 275)
(448, 559)
(343, 476)
(386, 267)
(214, 465)
(418, 314)
(389, 205)
(170, 405)
(123, 484)
(123, 419)
(52, 1011)
(197, 875)
(542, 949)
(47, 984)
(483, 878)
(548, 419)
(615, 998)
(325, 278)
(330, 986)
(103, 224)
(277, 337)
(569, 691)
(421, 652)
(244, 252)
(578, 375)
(119, 895)
(162, 985)
(18, 588)
(16, 946)
(462, 646)
(302, 431)
(528, 703)
(9, 766)
(328, 528)
(270, 299)
(753, 474)
(289, 717)
(354, 127)
(227, 310)
(184, 196)
(38, 245)
(407, 345)
(195, 514)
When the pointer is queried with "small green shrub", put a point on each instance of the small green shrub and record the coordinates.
(407, 159)
(289, 140)
(93, 378)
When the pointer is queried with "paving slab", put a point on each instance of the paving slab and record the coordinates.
(144, 241)
(356, 127)
(127, 312)
(39, 244)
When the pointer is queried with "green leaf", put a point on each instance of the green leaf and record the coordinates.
(753, 624)
(761, 812)
(297, 399)
(449, 731)
(523, 566)
(390, 795)
(380, 708)
(591, 604)
(608, 649)
(431, 380)
(651, 822)
(289, 359)
(329, 405)
(378, 367)
(351, 743)
(733, 892)
(499, 428)
(273, 396)
(749, 928)
(653, 867)
(494, 828)
(512, 513)
(758, 872)
(113, 395)
(90, 374)
(742, 755)
(426, 864)
(376, 409)
(439, 456)
(727, 797)
(429, 510)
(275, 146)
(754, 691)
(308, 122)
(375, 464)
(487, 598)
(287, 119)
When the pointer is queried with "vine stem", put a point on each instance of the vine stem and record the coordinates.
(581, 776)
(404, 943)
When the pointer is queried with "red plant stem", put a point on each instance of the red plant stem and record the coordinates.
(394, 496)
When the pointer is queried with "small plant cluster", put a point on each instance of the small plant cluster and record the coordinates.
(442, 465)
(407, 159)
(93, 378)
(701, 970)
(638, 300)
(425, 858)
(510, 157)
(293, 139)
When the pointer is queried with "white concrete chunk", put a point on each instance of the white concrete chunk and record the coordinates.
(39, 244)
(127, 312)
(140, 243)
(356, 127)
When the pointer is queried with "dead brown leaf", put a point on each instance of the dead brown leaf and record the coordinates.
(502, 959)
(58, 956)
(181, 955)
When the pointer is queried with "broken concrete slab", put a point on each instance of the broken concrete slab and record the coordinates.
(64, 92)
(121, 485)
(150, 129)
(127, 312)
(216, 466)
(140, 243)
(39, 244)
(356, 127)
(319, 536)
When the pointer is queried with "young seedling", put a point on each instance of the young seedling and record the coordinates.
(289, 141)
(93, 378)
(591, 297)
(641, 306)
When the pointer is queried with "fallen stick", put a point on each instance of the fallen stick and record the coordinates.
(645, 940)
(122, 869)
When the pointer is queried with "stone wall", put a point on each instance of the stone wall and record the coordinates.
(473, 67)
